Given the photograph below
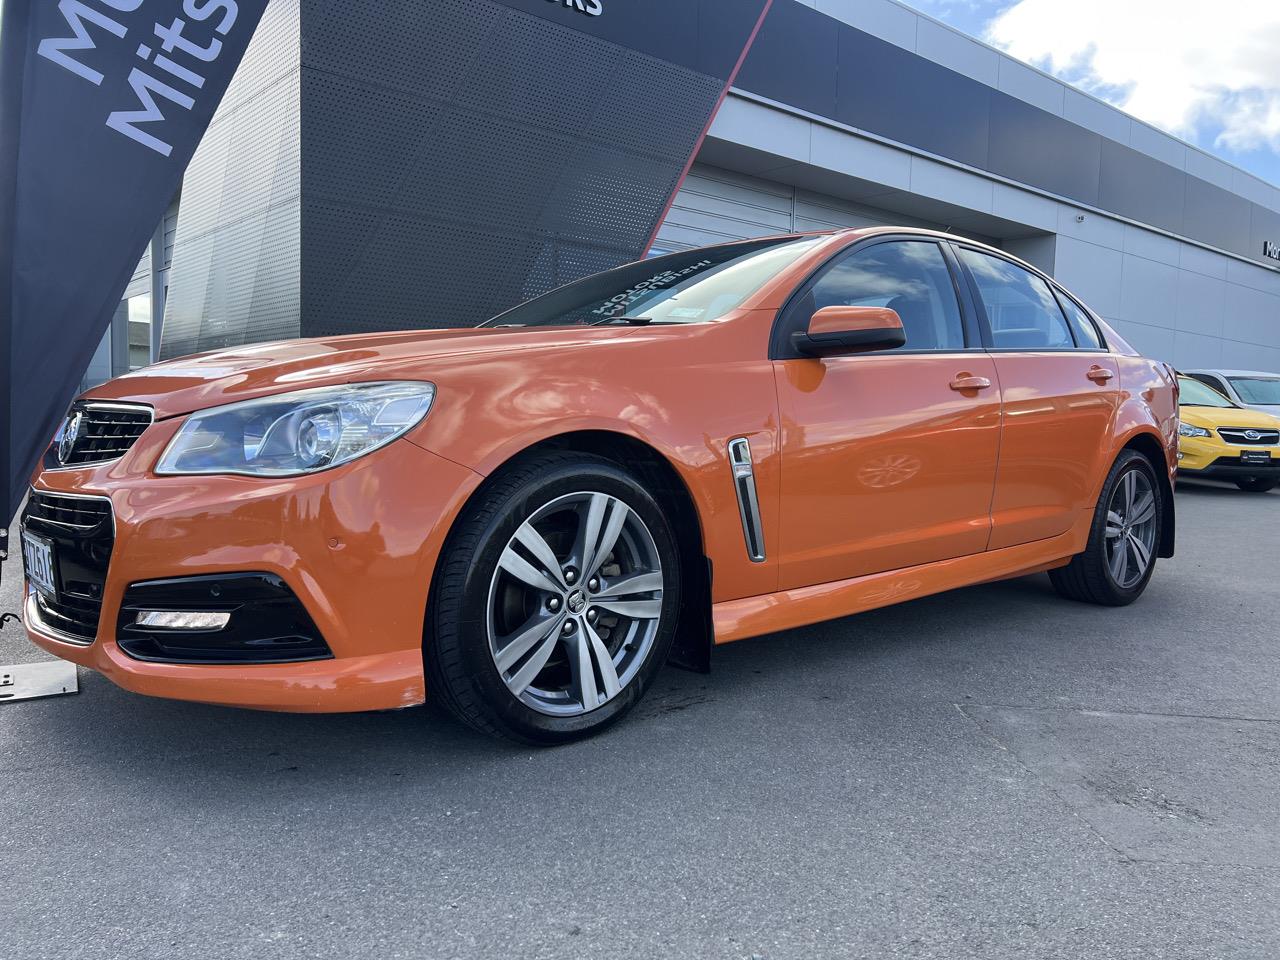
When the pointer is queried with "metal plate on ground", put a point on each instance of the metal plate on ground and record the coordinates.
(27, 681)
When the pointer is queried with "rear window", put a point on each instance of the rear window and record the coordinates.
(692, 286)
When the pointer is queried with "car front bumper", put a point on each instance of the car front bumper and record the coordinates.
(1210, 458)
(357, 546)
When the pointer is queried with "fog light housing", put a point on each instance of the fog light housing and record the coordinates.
(223, 618)
(181, 620)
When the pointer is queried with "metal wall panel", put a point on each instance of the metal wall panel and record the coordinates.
(716, 205)
(1134, 185)
(1029, 145)
(458, 159)
(235, 276)
(890, 91)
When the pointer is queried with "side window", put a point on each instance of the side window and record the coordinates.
(1022, 310)
(1211, 381)
(1087, 337)
(907, 276)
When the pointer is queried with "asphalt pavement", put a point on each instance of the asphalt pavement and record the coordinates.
(994, 772)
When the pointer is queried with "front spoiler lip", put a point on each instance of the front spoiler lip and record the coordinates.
(1231, 470)
(387, 681)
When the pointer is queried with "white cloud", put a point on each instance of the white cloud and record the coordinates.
(1189, 67)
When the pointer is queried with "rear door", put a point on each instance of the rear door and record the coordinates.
(888, 459)
(1060, 390)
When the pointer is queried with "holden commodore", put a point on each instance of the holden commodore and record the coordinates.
(524, 521)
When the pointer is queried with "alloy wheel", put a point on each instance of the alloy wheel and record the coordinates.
(1131, 529)
(575, 604)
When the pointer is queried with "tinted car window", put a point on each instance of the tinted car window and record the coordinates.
(1022, 310)
(909, 277)
(1193, 393)
(1087, 337)
(1209, 381)
(687, 287)
(1264, 390)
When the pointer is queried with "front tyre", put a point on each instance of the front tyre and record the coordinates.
(1124, 540)
(555, 603)
(1257, 484)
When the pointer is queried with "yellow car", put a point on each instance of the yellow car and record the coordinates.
(1219, 440)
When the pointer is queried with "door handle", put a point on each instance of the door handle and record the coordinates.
(1099, 374)
(967, 382)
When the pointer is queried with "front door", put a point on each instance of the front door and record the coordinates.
(888, 459)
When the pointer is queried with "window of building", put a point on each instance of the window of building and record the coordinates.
(909, 277)
(139, 312)
(1022, 310)
(1087, 336)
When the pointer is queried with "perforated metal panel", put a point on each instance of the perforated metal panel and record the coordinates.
(422, 164)
(458, 159)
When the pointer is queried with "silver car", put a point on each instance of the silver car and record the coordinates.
(1249, 388)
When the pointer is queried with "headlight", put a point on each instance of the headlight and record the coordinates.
(1187, 430)
(296, 433)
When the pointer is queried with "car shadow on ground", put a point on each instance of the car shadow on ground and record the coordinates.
(1217, 488)
(105, 730)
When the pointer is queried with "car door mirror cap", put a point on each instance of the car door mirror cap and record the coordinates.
(835, 331)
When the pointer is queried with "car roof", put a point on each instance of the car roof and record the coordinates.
(1238, 373)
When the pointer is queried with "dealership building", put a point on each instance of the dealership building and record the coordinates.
(399, 166)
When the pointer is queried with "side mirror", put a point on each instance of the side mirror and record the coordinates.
(839, 330)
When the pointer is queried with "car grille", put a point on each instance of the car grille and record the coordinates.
(83, 533)
(107, 432)
(1261, 438)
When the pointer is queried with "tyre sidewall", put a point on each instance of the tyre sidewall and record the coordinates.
(516, 718)
(1098, 540)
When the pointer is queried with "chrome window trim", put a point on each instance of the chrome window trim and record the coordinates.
(744, 485)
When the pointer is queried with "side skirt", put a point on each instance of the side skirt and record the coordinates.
(753, 616)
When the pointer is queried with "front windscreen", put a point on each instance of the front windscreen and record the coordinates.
(692, 286)
(1264, 390)
(1193, 393)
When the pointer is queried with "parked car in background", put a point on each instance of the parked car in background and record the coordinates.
(525, 521)
(1221, 440)
(1258, 391)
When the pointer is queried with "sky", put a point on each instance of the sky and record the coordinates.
(1207, 72)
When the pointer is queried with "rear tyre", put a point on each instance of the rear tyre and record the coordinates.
(1257, 484)
(1124, 539)
(555, 602)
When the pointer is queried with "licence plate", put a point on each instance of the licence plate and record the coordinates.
(1255, 456)
(37, 557)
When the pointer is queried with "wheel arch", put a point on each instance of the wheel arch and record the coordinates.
(1149, 445)
(693, 641)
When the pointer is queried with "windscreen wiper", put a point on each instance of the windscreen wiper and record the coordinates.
(634, 321)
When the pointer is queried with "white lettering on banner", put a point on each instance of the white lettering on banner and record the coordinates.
(174, 45)
(592, 8)
(1271, 250)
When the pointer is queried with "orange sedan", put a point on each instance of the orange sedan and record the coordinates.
(525, 520)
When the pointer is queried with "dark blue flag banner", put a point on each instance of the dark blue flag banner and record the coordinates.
(102, 103)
